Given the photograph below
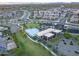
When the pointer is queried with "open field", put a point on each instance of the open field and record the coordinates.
(29, 48)
(32, 25)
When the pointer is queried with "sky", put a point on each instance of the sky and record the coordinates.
(34, 1)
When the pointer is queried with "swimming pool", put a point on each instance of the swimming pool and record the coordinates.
(32, 32)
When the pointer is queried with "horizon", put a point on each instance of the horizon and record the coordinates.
(11, 3)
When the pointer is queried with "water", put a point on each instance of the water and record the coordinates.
(32, 32)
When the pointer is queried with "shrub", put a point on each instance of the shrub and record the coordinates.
(77, 37)
(67, 35)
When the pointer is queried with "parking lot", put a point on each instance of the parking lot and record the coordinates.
(67, 47)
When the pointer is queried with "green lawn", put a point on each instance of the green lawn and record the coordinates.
(27, 47)
(32, 25)
(67, 35)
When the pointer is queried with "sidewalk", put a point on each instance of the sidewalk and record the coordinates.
(43, 46)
